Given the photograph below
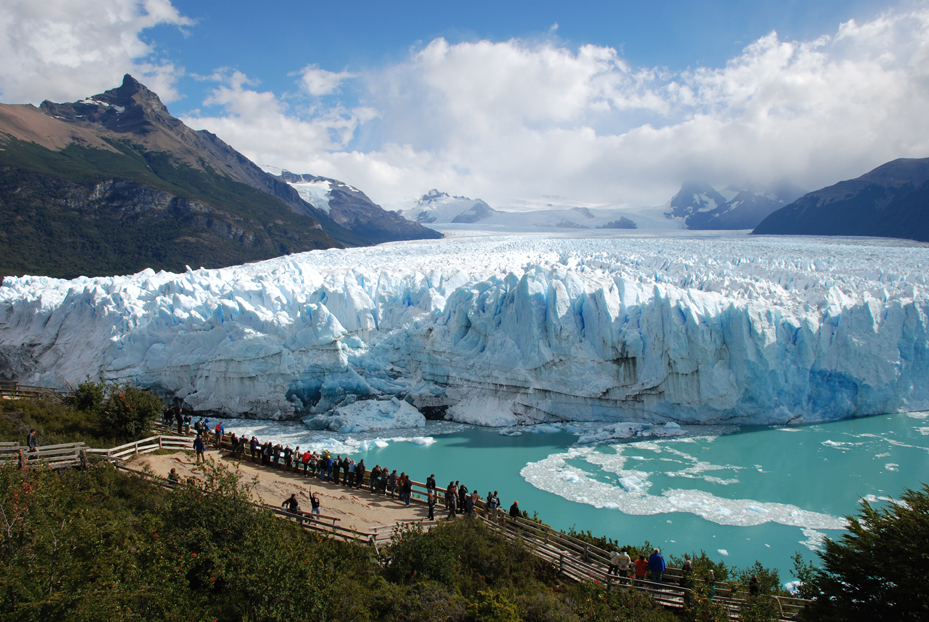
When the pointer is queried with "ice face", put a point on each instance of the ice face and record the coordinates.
(503, 329)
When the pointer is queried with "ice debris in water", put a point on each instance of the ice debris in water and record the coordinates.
(632, 495)
(723, 552)
(368, 415)
(694, 330)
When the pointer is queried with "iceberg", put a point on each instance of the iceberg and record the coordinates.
(367, 416)
(504, 330)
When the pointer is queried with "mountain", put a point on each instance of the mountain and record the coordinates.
(703, 207)
(351, 208)
(438, 208)
(890, 201)
(114, 184)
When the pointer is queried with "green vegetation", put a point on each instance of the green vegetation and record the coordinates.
(878, 569)
(102, 544)
(95, 413)
(149, 212)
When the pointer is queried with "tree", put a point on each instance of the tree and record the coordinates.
(878, 570)
(129, 412)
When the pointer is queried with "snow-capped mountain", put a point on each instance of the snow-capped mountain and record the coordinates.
(702, 207)
(439, 208)
(351, 208)
(691, 329)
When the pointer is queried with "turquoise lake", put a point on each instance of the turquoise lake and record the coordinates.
(753, 493)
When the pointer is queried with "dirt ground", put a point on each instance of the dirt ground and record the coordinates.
(357, 509)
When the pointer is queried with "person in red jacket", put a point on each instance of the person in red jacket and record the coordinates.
(641, 567)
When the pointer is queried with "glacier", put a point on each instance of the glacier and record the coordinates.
(505, 329)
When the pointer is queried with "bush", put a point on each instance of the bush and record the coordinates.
(129, 412)
(878, 569)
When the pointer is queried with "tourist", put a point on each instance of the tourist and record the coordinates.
(314, 501)
(288, 458)
(462, 496)
(656, 565)
(199, 447)
(330, 463)
(276, 455)
(430, 484)
(266, 452)
(253, 446)
(469, 506)
(305, 460)
(624, 561)
(754, 587)
(475, 498)
(187, 420)
(392, 483)
(360, 474)
(407, 490)
(234, 441)
(179, 418)
(291, 504)
(452, 502)
(350, 480)
(514, 510)
(173, 479)
(614, 563)
(641, 567)
(493, 503)
(375, 474)
(31, 442)
(687, 581)
(220, 431)
(430, 501)
(448, 494)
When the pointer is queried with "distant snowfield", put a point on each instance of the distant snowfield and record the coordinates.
(689, 328)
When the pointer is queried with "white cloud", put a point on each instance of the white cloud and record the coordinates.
(318, 82)
(64, 50)
(503, 120)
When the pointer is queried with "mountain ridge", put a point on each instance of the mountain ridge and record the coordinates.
(891, 200)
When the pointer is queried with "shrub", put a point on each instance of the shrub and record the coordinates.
(129, 412)
(878, 569)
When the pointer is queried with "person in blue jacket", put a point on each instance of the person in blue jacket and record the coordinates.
(656, 565)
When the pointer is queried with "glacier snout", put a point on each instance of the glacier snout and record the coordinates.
(501, 330)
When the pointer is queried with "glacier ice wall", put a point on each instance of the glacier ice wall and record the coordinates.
(700, 329)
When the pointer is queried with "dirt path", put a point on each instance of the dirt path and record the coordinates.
(357, 509)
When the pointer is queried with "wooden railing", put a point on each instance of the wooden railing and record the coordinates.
(55, 456)
(14, 390)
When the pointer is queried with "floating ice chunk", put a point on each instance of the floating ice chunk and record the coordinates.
(570, 476)
(723, 552)
(483, 410)
(831, 443)
(381, 443)
(671, 426)
(545, 428)
(368, 415)
(630, 484)
(422, 440)
(890, 466)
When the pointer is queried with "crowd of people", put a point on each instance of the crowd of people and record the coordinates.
(344, 471)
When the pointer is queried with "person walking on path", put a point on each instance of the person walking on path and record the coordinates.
(624, 561)
(493, 502)
(430, 501)
(291, 504)
(31, 443)
(220, 431)
(641, 567)
(656, 565)
(199, 447)
(514, 510)
(614, 563)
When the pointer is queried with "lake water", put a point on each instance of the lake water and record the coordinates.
(741, 494)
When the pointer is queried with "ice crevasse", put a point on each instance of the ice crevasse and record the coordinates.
(502, 330)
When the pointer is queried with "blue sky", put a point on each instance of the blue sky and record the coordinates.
(592, 103)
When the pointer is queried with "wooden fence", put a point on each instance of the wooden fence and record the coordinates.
(13, 390)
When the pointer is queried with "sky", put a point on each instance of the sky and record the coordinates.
(517, 103)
